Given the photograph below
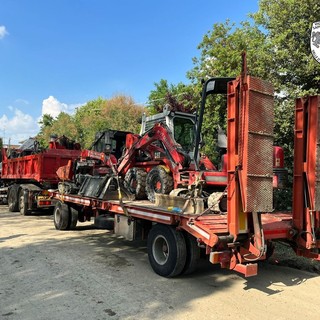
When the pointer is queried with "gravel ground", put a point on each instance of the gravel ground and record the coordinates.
(91, 274)
(285, 256)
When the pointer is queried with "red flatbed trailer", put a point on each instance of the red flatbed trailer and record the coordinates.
(207, 229)
(242, 236)
(28, 178)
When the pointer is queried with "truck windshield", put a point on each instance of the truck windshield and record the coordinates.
(184, 130)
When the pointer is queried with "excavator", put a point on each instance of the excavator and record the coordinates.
(164, 159)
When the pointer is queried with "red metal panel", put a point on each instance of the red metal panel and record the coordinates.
(277, 225)
(39, 167)
(256, 125)
(232, 136)
(250, 151)
(306, 183)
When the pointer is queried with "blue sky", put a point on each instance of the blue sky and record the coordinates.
(58, 54)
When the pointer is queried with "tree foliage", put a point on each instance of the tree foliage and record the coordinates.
(117, 113)
(292, 69)
(277, 41)
(63, 124)
(180, 97)
(288, 24)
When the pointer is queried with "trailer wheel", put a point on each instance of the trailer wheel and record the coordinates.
(193, 254)
(23, 202)
(61, 216)
(104, 221)
(166, 250)
(73, 218)
(135, 180)
(158, 181)
(13, 198)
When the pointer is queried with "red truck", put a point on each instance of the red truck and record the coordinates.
(28, 173)
(177, 228)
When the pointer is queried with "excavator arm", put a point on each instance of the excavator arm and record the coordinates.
(159, 133)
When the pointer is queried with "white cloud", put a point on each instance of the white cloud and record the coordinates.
(53, 107)
(22, 101)
(18, 127)
(3, 32)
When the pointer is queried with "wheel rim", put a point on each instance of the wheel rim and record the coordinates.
(21, 203)
(160, 250)
(11, 198)
(133, 183)
(57, 216)
(156, 184)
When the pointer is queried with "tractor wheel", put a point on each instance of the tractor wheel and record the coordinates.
(166, 250)
(13, 198)
(158, 181)
(23, 202)
(135, 180)
(61, 216)
(193, 254)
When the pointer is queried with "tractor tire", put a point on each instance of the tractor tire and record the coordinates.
(158, 181)
(193, 254)
(61, 216)
(13, 198)
(167, 250)
(135, 180)
(23, 202)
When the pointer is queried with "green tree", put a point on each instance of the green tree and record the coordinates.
(221, 48)
(45, 124)
(277, 42)
(220, 56)
(292, 69)
(118, 113)
(180, 97)
(63, 124)
(288, 24)
(46, 121)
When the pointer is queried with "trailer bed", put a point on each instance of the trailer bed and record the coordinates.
(276, 225)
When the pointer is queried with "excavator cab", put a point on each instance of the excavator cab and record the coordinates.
(182, 125)
(110, 142)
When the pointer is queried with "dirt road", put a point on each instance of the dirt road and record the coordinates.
(90, 274)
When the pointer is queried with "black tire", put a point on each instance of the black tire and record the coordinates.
(104, 221)
(166, 250)
(73, 218)
(23, 202)
(158, 181)
(135, 179)
(193, 254)
(13, 198)
(61, 216)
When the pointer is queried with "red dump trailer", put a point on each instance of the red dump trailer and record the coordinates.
(177, 228)
(28, 174)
